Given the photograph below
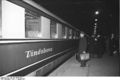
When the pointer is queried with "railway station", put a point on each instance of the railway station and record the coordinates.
(59, 38)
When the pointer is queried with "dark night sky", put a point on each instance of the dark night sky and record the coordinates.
(80, 13)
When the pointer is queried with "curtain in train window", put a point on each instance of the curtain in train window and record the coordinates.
(32, 25)
(53, 30)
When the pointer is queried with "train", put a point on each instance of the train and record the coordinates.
(33, 41)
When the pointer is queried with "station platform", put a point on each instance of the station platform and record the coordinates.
(105, 66)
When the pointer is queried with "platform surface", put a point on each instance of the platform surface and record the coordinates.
(105, 66)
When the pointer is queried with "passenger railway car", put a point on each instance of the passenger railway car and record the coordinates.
(33, 41)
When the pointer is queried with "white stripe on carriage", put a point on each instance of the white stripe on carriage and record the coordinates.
(22, 41)
(35, 63)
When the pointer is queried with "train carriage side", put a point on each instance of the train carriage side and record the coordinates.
(33, 41)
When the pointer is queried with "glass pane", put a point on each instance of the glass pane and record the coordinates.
(74, 34)
(32, 25)
(70, 33)
(66, 32)
(63, 32)
(53, 31)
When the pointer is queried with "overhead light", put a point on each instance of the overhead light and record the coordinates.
(95, 24)
(98, 36)
(95, 39)
(96, 19)
(96, 12)
(81, 35)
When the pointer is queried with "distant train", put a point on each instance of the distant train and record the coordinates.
(33, 40)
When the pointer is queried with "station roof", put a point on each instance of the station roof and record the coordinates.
(81, 13)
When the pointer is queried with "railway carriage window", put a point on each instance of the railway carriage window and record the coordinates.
(70, 33)
(37, 26)
(45, 27)
(74, 35)
(64, 32)
(13, 20)
(33, 25)
(59, 30)
(53, 31)
(67, 32)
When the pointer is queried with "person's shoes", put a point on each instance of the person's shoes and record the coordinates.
(83, 65)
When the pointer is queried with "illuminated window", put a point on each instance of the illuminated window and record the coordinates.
(59, 31)
(64, 32)
(74, 35)
(32, 25)
(53, 31)
(70, 33)
(13, 20)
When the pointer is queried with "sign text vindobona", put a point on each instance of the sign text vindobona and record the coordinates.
(33, 53)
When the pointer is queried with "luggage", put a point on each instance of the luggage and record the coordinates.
(85, 56)
(82, 58)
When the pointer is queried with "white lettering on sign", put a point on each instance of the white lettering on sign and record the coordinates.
(32, 53)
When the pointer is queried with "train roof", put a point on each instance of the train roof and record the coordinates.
(38, 6)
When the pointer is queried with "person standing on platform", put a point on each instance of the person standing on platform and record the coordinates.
(82, 55)
(91, 46)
